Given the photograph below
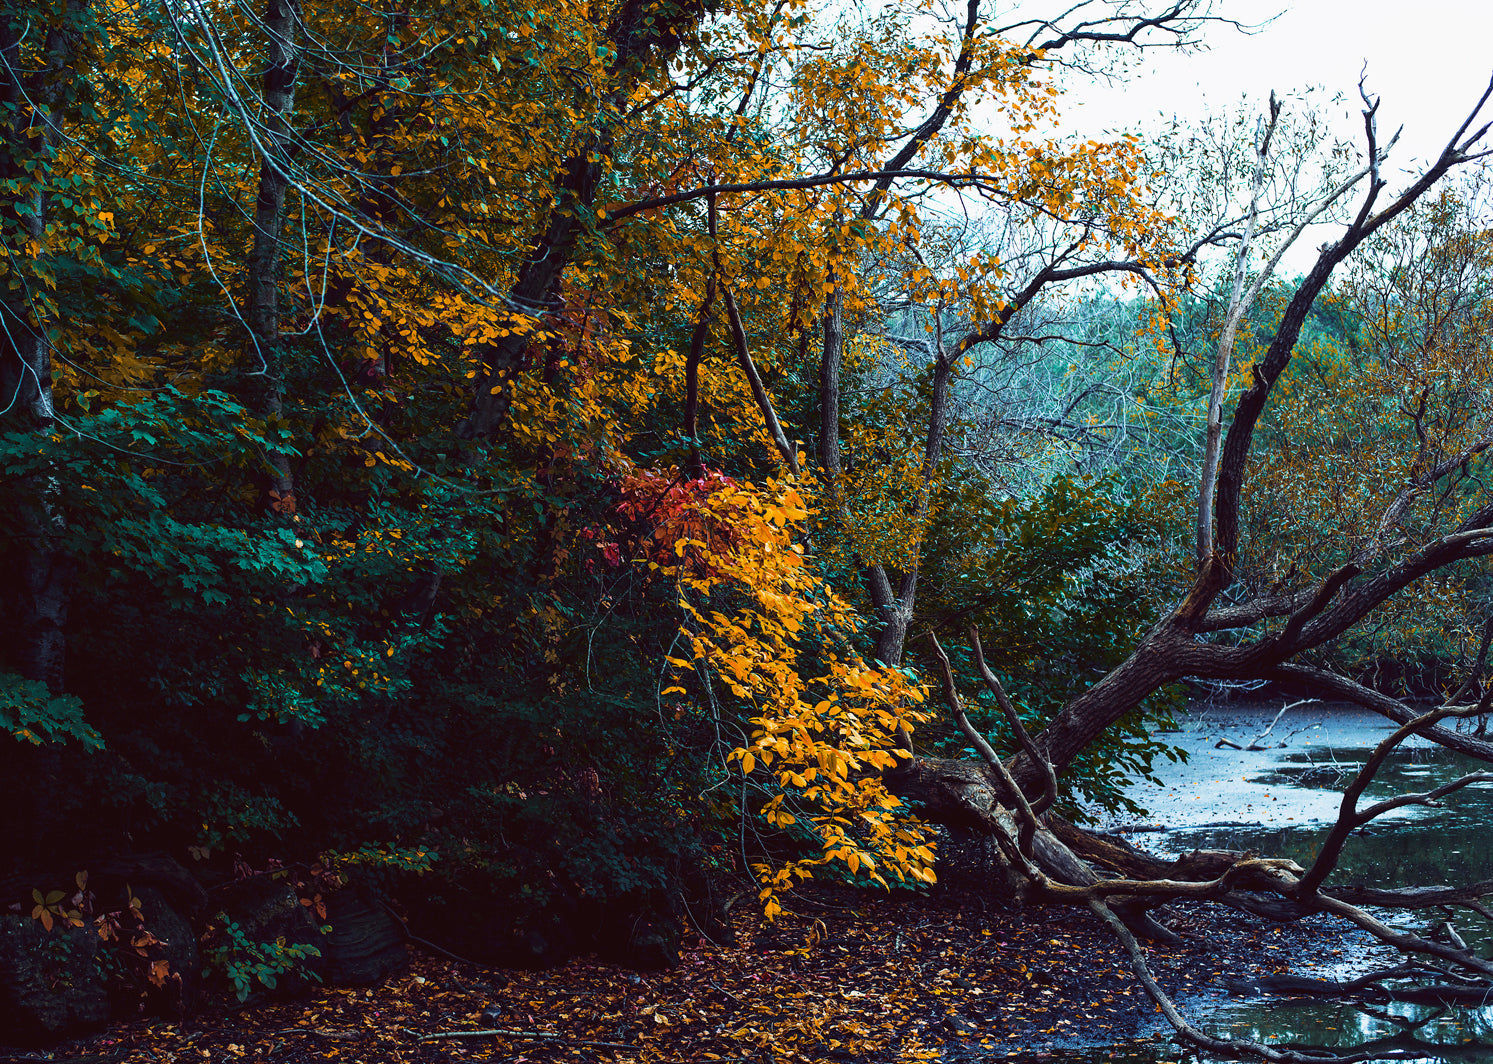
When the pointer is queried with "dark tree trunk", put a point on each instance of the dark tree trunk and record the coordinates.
(640, 33)
(39, 571)
(264, 377)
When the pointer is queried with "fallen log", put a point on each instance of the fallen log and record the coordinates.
(1412, 897)
(1426, 994)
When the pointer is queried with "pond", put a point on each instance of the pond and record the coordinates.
(1280, 802)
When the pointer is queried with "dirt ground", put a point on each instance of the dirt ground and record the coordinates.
(839, 978)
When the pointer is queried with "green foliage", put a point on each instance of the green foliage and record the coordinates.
(417, 860)
(570, 802)
(1050, 582)
(275, 684)
(32, 714)
(247, 964)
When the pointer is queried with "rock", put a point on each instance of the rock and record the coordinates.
(487, 935)
(51, 982)
(137, 871)
(638, 935)
(653, 946)
(958, 1025)
(366, 943)
(268, 916)
(178, 948)
(552, 942)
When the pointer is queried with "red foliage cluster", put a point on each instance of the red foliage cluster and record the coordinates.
(672, 520)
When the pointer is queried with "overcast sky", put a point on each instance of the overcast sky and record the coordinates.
(1428, 60)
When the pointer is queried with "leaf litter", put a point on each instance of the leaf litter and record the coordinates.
(844, 977)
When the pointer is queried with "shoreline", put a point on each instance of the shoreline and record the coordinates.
(1220, 786)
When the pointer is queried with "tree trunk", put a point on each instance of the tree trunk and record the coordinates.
(832, 355)
(966, 796)
(640, 32)
(40, 572)
(264, 386)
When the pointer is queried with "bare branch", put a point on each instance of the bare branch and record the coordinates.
(1049, 778)
(759, 393)
(1395, 710)
(1028, 818)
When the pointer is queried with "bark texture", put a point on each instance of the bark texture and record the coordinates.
(264, 389)
(640, 33)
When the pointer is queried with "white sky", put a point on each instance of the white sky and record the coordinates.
(1428, 60)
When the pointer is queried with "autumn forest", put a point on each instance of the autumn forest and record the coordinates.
(579, 474)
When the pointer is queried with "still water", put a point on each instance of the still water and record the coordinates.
(1280, 802)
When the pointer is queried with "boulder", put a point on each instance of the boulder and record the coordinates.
(51, 982)
(177, 946)
(639, 935)
(487, 936)
(653, 945)
(366, 942)
(111, 878)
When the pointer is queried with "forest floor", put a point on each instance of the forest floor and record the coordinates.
(840, 978)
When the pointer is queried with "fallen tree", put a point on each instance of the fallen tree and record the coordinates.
(1043, 868)
(1418, 419)
(1439, 516)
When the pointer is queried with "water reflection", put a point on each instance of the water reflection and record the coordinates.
(1464, 1035)
(1415, 846)
(1418, 845)
(1401, 1032)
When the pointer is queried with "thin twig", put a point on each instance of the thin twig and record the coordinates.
(528, 1036)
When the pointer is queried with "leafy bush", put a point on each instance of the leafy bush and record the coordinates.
(247, 964)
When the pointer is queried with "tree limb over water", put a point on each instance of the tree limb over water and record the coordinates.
(1045, 860)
